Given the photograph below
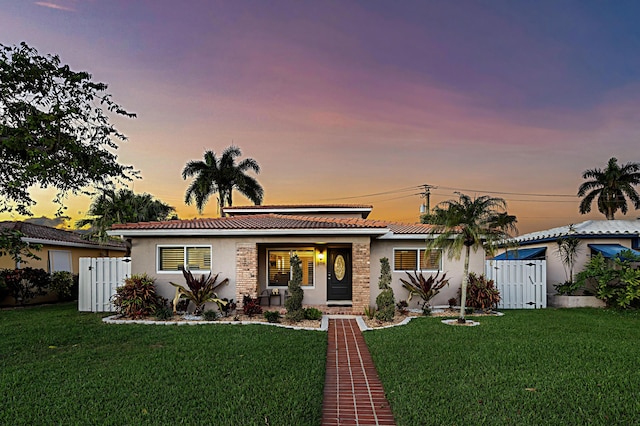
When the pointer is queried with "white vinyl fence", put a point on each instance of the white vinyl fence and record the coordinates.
(98, 280)
(522, 283)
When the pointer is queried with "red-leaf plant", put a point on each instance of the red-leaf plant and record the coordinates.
(425, 288)
(199, 291)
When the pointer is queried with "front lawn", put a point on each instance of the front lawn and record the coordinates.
(58, 366)
(558, 367)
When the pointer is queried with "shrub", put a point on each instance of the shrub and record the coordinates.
(617, 282)
(370, 311)
(25, 284)
(424, 288)
(568, 287)
(251, 306)
(272, 316)
(163, 313)
(481, 294)
(312, 314)
(296, 294)
(65, 284)
(402, 307)
(137, 297)
(386, 305)
(181, 305)
(210, 315)
(199, 290)
(452, 302)
(385, 301)
(227, 307)
(4, 291)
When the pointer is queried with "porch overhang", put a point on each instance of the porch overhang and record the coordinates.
(611, 251)
(523, 254)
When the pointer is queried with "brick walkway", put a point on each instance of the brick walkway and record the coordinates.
(353, 394)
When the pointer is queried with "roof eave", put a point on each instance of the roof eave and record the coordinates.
(70, 244)
(243, 232)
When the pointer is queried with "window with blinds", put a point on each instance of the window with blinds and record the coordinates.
(194, 258)
(407, 260)
(430, 260)
(280, 266)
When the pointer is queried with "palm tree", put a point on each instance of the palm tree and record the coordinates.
(221, 176)
(466, 223)
(123, 206)
(611, 186)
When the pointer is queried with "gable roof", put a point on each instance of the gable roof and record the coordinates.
(301, 209)
(270, 224)
(40, 234)
(592, 228)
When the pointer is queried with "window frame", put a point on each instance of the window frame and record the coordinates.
(52, 255)
(417, 250)
(291, 250)
(159, 247)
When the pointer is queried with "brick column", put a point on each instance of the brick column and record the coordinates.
(361, 256)
(246, 271)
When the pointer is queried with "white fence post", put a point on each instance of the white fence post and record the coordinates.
(98, 279)
(522, 283)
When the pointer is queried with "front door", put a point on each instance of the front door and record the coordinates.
(339, 274)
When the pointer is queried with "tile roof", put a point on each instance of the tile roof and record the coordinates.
(46, 233)
(257, 222)
(586, 228)
(301, 206)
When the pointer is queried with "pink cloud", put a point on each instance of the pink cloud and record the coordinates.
(55, 6)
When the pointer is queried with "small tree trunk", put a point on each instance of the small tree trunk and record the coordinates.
(463, 289)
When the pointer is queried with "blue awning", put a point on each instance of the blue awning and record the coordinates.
(523, 254)
(611, 251)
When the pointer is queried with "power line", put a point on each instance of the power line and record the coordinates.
(408, 188)
(507, 193)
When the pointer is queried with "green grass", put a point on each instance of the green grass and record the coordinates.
(58, 366)
(545, 367)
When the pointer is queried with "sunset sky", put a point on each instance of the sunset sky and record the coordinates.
(339, 100)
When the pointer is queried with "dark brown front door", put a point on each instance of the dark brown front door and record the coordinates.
(339, 274)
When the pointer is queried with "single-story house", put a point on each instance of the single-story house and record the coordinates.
(339, 247)
(61, 250)
(609, 237)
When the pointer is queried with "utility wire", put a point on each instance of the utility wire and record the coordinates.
(507, 193)
(409, 188)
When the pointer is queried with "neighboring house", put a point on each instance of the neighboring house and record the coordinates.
(61, 250)
(339, 247)
(609, 237)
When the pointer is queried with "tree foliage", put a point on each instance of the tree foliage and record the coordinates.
(222, 176)
(55, 130)
(610, 187)
(123, 206)
(13, 245)
(469, 222)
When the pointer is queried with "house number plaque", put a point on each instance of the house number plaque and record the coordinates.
(339, 267)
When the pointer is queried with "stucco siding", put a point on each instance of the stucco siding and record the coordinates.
(223, 260)
(452, 267)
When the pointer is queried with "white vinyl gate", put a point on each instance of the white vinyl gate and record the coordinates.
(98, 280)
(522, 283)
